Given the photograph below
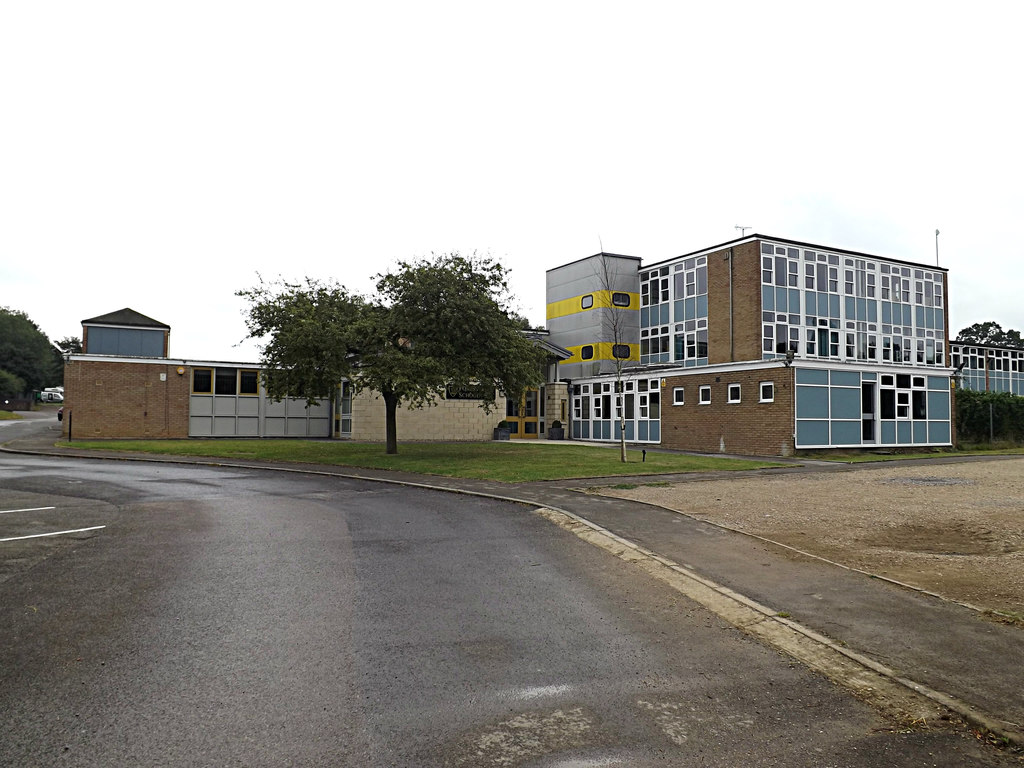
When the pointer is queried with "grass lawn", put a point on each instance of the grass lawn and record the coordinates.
(505, 462)
(8, 416)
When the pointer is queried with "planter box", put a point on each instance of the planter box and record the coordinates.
(556, 433)
(502, 434)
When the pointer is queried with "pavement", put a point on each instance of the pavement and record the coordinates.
(915, 655)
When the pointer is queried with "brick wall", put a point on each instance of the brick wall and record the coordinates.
(746, 304)
(747, 427)
(125, 399)
(452, 420)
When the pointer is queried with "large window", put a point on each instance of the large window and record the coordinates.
(248, 382)
(226, 382)
(202, 381)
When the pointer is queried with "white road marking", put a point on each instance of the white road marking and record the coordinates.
(55, 533)
(27, 509)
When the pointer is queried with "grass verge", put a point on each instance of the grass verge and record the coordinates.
(504, 462)
(854, 457)
(9, 416)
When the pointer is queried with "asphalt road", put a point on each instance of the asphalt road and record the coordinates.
(258, 618)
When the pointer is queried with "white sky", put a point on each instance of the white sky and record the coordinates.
(159, 155)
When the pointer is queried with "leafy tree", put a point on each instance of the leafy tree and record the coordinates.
(991, 334)
(10, 385)
(25, 351)
(433, 322)
(70, 344)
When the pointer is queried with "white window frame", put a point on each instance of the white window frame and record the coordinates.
(678, 395)
(704, 390)
(729, 392)
(760, 392)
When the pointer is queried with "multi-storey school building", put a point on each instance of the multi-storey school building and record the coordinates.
(760, 345)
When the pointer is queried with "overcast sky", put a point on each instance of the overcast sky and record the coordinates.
(159, 156)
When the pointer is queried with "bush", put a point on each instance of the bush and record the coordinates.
(983, 417)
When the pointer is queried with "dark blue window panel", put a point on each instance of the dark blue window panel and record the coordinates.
(129, 342)
(920, 316)
(833, 305)
(872, 312)
(920, 431)
(886, 312)
(903, 434)
(851, 308)
(576, 430)
(781, 299)
(889, 432)
(823, 304)
(845, 404)
(645, 317)
(812, 303)
(642, 429)
(938, 382)
(702, 306)
(794, 299)
(846, 379)
(655, 431)
(665, 313)
(938, 405)
(869, 376)
(811, 402)
(629, 431)
(690, 313)
(677, 309)
(938, 432)
(845, 433)
(809, 376)
(767, 298)
(586, 430)
(811, 433)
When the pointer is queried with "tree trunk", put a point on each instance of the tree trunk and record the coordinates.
(622, 438)
(390, 421)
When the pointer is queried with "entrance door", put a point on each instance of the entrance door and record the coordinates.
(524, 417)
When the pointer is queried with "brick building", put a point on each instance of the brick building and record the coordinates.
(123, 385)
(760, 345)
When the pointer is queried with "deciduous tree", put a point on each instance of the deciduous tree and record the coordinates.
(992, 334)
(433, 322)
(25, 351)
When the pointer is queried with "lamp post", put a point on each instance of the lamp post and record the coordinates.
(936, 247)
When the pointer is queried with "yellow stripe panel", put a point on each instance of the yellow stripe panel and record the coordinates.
(602, 351)
(602, 300)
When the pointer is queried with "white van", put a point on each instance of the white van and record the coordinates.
(51, 397)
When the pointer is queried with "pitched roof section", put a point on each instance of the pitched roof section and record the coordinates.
(126, 316)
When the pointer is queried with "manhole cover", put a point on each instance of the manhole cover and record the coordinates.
(928, 481)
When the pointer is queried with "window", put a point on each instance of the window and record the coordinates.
(705, 395)
(587, 301)
(587, 352)
(248, 382)
(767, 392)
(620, 351)
(678, 396)
(734, 393)
(202, 381)
(226, 382)
(620, 299)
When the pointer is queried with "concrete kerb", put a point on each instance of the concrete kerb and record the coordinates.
(897, 696)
